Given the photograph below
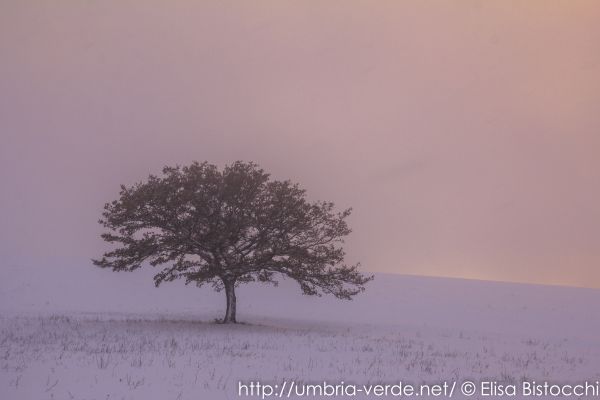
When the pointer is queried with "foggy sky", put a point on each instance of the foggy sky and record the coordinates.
(465, 134)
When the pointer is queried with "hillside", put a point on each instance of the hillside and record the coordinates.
(105, 335)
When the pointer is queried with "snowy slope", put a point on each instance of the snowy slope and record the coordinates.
(107, 335)
(389, 300)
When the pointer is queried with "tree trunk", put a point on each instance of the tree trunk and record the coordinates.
(230, 293)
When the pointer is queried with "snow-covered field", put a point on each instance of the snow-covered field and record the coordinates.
(114, 342)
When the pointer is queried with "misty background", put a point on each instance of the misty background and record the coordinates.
(465, 135)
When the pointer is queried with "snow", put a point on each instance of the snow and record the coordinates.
(103, 335)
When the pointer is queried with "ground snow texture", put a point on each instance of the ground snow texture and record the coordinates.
(410, 329)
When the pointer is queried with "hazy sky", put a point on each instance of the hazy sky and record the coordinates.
(465, 134)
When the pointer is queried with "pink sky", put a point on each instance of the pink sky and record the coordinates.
(465, 134)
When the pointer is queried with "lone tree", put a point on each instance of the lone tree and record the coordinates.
(229, 227)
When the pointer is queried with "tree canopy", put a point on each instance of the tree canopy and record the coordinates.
(228, 227)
